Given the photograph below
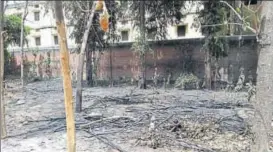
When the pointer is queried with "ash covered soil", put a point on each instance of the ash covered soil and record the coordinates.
(127, 119)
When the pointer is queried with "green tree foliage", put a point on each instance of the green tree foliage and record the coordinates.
(160, 14)
(251, 17)
(12, 28)
(152, 17)
(140, 45)
(213, 18)
(97, 39)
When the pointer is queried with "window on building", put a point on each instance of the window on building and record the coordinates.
(38, 41)
(36, 16)
(36, 6)
(181, 30)
(124, 35)
(251, 2)
(37, 30)
(151, 33)
(56, 40)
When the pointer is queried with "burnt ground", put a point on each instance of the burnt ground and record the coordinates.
(127, 119)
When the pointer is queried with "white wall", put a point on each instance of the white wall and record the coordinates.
(46, 26)
(191, 32)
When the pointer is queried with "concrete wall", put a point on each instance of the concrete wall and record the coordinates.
(168, 56)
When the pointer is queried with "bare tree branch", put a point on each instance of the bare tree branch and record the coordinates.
(83, 10)
(240, 17)
(254, 11)
(96, 34)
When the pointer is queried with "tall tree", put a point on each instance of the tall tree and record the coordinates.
(2, 62)
(98, 40)
(12, 36)
(22, 40)
(142, 36)
(156, 15)
(264, 101)
(67, 85)
(215, 45)
(10, 25)
(170, 12)
(89, 34)
(81, 60)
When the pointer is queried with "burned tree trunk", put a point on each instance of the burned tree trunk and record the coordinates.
(143, 52)
(111, 61)
(89, 67)
(208, 69)
(67, 84)
(81, 60)
(264, 100)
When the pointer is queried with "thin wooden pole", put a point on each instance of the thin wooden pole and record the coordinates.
(64, 57)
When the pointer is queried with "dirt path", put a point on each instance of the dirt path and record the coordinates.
(184, 120)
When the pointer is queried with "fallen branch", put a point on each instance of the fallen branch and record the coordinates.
(64, 126)
(107, 142)
(163, 121)
(50, 119)
(171, 107)
(35, 92)
(105, 119)
(107, 133)
(194, 146)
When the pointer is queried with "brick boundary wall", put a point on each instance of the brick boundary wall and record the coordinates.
(168, 56)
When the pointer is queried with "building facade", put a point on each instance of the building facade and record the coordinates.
(43, 34)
